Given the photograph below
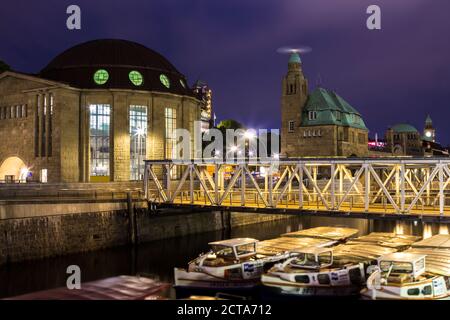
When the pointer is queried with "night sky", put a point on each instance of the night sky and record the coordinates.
(397, 74)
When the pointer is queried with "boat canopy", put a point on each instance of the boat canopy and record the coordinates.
(403, 262)
(234, 242)
(331, 233)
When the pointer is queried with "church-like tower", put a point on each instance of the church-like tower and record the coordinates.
(429, 133)
(293, 99)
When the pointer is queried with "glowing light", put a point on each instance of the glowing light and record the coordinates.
(251, 153)
(428, 134)
(276, 156)
(443, 229)
(140, 131)
(427, 232)
(399, 228)
(250, 134)
(233, 148)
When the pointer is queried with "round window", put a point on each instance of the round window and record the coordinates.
(164, 80)
(136, 78)
(101, 76)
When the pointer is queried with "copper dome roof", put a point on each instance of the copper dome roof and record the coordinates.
(77, 65)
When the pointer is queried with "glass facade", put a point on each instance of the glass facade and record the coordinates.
(171, 126)
(138, 141)
(99, 119)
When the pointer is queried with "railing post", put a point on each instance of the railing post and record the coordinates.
(300, 186)
(441, 189)
(269, 174)
(145, 182)
(333, 168)
(216, 184)
(191, 183)
(366, 186)
(242, 185)
(402, 187)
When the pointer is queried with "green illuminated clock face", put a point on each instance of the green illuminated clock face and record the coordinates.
(101, 76)
(136, 78)
(164, 80)
(182, 83)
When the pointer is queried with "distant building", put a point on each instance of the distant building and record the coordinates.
(204, 93)
(405, 140)
(320, 123)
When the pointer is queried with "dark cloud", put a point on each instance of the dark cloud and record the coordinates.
(397, 74)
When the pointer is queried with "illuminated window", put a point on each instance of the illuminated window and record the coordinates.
(100, 115)
(171, 126)
(182, 83)
(138, 140)
(101, 76)
(164, 80)
(136, 78)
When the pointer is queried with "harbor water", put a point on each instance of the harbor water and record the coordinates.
(158, 258)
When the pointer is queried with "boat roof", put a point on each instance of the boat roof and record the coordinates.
(115, 288)
(387, 239)
(437, 241)
(360, 252)
(402, 257)
(313, 250)
(233, 242)
(284, 244)
(437, 260)
(331, 233)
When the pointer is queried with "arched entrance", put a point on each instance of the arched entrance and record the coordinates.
(13, 166)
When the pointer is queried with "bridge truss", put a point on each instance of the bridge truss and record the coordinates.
(419, 186)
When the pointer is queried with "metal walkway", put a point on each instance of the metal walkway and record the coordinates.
(407, 188)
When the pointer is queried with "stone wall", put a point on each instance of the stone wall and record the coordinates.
(35, 236)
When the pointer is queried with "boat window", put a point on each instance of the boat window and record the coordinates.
(420, 264)
(355, 276)
(426, 291)
(305, 259)
(245, 249)
(323, 278)
(413, 292)
(397, 267)
(302, 279)
(325, 258)
(447, 282)
(222, 251)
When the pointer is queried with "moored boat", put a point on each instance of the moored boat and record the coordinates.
(237, 264)
(420, 273)
(330, 272)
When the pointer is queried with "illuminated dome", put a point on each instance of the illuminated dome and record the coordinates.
(115, 64)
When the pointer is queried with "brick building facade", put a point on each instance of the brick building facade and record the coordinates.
(93, 114)
(320, 123)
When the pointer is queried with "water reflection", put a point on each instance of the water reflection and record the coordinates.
(158, 258)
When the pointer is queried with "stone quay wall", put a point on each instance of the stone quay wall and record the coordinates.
(44, 229)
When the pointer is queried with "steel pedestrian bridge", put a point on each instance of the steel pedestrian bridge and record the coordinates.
(379, 188)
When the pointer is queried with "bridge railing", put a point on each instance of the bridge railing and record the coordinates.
(394, 185)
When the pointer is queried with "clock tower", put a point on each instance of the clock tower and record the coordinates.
(429, 133)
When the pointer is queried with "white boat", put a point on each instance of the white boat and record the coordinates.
(239, 263)
(331, 271)
(420, 273)
(311, 272)
(232, 263)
